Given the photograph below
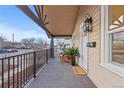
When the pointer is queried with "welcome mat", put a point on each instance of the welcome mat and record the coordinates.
(78, 70)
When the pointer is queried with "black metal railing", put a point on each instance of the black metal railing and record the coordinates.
(16, 71)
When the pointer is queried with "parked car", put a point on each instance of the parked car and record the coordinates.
(12, 50)
(2, 50)
(9, 50)
(15, 50)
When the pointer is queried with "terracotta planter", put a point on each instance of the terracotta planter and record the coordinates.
(67, 58)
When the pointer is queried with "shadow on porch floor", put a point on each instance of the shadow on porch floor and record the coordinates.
(60, 75)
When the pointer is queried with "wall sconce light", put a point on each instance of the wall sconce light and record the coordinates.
(87, 23)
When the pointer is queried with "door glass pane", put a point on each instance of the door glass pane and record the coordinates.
(118, 47)
(115, 16)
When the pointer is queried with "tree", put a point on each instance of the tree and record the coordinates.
(32, 40)
(42, 43)
(25, 42)
(34, 43)
(59, 41)
(2, 41)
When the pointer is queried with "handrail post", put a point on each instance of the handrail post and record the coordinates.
(34, 65)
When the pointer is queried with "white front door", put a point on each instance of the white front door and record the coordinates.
(83, 48)
(85, 41)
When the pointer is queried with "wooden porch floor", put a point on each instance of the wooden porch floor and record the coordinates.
(60, 75)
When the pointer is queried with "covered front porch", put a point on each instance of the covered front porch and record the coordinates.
(59, 74)
(43, 68)
(58, 22)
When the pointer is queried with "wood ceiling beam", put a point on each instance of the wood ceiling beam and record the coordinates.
(44, 18)
(42, 11)
(61, 35)
(46, 23)
(38, 12)
(30, 14)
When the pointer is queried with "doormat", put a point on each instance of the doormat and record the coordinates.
(78, 70)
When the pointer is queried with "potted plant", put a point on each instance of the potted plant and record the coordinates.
(73, 52)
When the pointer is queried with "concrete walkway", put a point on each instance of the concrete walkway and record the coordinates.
(60, 75)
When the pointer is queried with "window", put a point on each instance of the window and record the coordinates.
(115, 16)
(116, 21)
(118, 48)
(112, 38)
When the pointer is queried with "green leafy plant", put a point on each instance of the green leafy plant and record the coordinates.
(73, 52)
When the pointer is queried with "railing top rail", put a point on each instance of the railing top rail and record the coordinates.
(23, 54)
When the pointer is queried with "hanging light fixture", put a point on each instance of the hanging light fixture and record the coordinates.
(88, 23)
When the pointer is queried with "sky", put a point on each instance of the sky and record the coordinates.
(12, 20)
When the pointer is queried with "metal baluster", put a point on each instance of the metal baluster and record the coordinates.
(26, 67)
(28, 71)
(24, 71)
(34, 64)
(2, 73)
(8, 72)
(21, 73)
(17, 71)
(13, 71)
(46, 56)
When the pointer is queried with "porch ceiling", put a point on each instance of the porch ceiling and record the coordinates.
(61, 19)
(56, 20)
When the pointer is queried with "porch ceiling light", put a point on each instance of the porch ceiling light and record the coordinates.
(88, 23)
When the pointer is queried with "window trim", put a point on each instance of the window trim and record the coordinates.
(105, 47)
